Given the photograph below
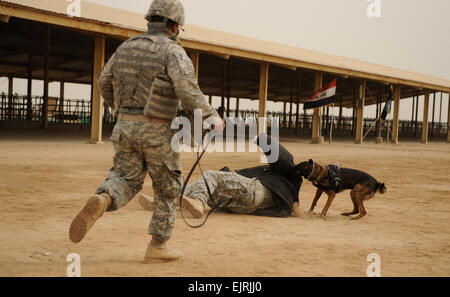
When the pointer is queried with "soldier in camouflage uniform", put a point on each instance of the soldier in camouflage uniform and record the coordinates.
(246, 195)
(145, 81)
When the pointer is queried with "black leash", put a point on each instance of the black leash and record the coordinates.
(197, 163)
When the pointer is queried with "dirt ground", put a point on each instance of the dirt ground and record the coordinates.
(47, 177)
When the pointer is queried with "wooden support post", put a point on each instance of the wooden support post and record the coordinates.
(10, 97)
(224, 81)
(354, 108)
(263, 88)
(416, 126)
(291, 98)
(97, 100)
(291, 108)
(432, 113)
(61, 101)
(46, 81)
(395, 124)
(316, 137)
(228, 86)
(297, 119)
(30, 76)
(360, 112)
(195, 57)
(412, 114)
(210, 100)
(340, 115)
(284, 113)
(448, 120)
(379, 100)
(426, 104)
(237, 107)
(440, 112)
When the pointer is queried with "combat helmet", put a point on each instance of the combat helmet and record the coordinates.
(170, 9)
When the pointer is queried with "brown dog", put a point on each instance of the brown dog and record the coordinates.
(332, 179)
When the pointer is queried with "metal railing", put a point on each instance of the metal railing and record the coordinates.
(17, 108)
(59, 112)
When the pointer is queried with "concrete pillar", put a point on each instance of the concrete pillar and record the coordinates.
(97, 100)
(426, 104)
(360, 112)
(316, 137)
(395, 124)
(263, 88)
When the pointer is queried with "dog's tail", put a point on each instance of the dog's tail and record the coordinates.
(380, 187)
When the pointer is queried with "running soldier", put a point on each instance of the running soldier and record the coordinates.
(146, 81)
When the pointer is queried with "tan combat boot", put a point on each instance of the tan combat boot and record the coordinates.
(158, 250)
(146, 202)
(194, 206)
(95, 207)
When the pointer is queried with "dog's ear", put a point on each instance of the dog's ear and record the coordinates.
(311, 161)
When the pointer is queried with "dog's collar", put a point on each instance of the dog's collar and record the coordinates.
(312, 171)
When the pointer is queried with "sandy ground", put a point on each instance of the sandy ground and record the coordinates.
(46, 179)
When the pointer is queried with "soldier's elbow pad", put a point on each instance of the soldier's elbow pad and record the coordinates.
(163, 102)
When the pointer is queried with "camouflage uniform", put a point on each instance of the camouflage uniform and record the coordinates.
(247, 194)
(141, 147)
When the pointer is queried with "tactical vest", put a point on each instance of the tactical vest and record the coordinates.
(163, 103)
(138, 62)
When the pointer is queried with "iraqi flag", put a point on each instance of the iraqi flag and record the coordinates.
(322, 97)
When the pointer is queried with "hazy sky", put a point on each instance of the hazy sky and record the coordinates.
(412, 35)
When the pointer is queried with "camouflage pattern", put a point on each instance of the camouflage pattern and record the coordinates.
(163, 102)
(247, 194)
(125, 84)
(141, 148)
(171, 9)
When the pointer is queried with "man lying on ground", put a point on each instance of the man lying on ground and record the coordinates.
(268, 190)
